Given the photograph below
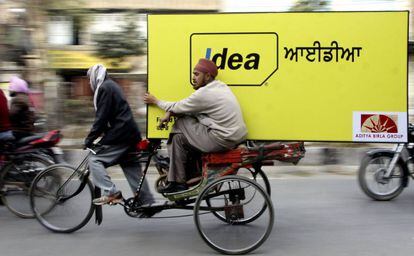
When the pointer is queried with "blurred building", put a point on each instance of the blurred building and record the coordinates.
(51, 44)
(71, 44)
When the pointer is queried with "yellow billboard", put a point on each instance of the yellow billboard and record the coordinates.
(325, 76)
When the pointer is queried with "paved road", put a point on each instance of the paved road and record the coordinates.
(318, 215)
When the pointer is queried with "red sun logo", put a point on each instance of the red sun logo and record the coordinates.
(379, 124)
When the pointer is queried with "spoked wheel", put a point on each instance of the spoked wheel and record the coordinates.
(61, 199)
(15, 180)
(372, 178)
(160, 183)
(162, 168)
(261, 179)
(236, 199)
(259, 176)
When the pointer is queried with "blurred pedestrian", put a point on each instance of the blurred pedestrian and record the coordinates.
(115, 123)
(22, 115)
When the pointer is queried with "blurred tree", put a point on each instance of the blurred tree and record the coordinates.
(309, 5)
(37, 71)
(118, 45)
(17, 43)
(38, 12)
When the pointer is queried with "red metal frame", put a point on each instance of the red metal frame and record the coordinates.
(244, 157)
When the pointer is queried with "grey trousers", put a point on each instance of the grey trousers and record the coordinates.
(112, 155)
(188, 137)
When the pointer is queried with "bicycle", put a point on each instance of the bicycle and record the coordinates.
(223, 202)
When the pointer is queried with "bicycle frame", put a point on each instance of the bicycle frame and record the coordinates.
(83, 173)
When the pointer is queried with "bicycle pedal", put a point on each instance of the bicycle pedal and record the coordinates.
(115, 202)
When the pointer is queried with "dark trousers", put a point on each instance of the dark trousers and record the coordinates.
(187, 141)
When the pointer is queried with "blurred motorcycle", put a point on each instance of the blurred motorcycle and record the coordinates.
(384, 173)
(20, 162)
(45, 144)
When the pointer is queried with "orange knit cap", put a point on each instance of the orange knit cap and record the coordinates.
(206, 66)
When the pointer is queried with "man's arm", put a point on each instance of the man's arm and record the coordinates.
(104, 105)
(195, 103)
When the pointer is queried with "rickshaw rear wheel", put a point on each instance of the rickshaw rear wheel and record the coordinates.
(231, 197)
(258, 176)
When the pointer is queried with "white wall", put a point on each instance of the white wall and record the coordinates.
(112, 22)
(60, 30)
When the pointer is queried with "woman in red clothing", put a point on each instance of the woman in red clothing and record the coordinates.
(5, 132)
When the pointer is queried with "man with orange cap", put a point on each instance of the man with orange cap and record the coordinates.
(209, 120)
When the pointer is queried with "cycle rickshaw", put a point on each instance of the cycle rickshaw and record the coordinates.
(233, 213)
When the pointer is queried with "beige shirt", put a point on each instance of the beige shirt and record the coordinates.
(216, 107)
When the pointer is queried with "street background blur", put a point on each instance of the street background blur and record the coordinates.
(51, 44)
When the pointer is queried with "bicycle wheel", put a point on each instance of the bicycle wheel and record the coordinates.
(372, 181)
(231, 196)
(261, 179)
(61, 199)
(15, 180)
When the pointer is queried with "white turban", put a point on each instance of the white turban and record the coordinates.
(96, 74)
